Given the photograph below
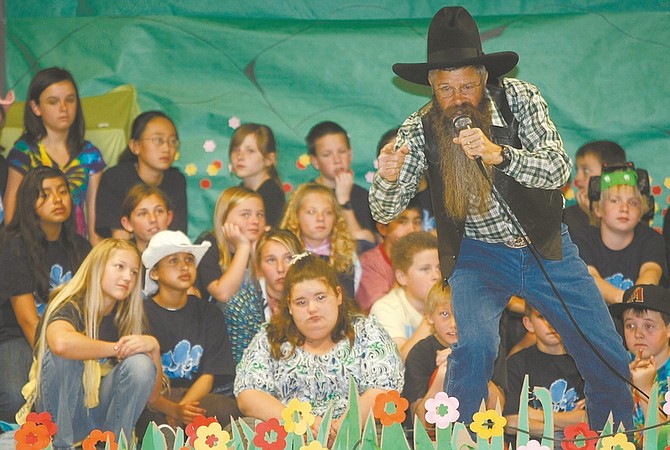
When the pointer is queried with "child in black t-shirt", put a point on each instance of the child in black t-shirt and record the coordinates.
(195, 351)
(547, 365)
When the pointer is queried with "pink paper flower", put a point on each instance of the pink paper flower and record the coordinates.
(533, 445)
(666, 406)
(442, 410)
(234, 122)
(209, 145)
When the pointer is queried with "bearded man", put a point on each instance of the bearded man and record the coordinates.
(491, 219)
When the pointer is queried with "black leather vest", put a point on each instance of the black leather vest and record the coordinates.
(539, 210)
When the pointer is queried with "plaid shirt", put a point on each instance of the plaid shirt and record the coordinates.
(541, 163)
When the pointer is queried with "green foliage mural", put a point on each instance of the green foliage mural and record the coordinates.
(292, 64)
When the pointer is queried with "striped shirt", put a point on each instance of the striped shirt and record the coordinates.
(541, 163)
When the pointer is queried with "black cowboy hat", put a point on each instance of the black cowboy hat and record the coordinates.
(453, 41)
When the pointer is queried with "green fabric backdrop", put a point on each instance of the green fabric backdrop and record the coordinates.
(601, 68)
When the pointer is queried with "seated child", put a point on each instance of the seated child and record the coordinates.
(401, 311)
(145, 211)
(195, 351)
(588, 162)
(377, 277)
(313, 215)
(331, 154)
(646, 319)
(426, 364)
(547, 365)
(253, 159)
(622, 251)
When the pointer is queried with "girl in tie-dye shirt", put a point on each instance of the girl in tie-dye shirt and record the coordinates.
(54, 137)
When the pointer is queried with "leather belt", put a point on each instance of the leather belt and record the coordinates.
(518, 242)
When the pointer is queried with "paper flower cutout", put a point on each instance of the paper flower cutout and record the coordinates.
(297, 416)
(666, 406)
(211, 436)
(533, 445)
(270, 435)
(212, 170)
(43, 418)
(303, 161)
(205, 183)
(369, 176)
(584, 437)
(209, 145)
(32, 436)
(176, 156)
(192, 428)
(390, 408)
(487, 424)
(287, 187)
(569, 194)
(191, 169)
(234, 122)
(99, 436)
(666, 182)
(217, 163)
(442, 410)
(314, 445)
(618, 440)
(656, 190)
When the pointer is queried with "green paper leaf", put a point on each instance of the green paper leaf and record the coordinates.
(178, 439)
(543, 395)
(422, 440)
(324, 429)
(443, 437)
(153, 438)
(522, 438)
(393, 438)
(370, 433)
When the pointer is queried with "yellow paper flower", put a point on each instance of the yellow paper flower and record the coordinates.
(191, 169)
(488, 423)
(314, 445)
(212, 170)
(666, 182)
(297, 416)
(618, 440)
(211, 436)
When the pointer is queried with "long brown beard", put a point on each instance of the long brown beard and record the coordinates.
(466, 190)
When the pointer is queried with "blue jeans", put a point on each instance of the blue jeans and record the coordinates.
(123, 395)
(16, 356)
(484, 278)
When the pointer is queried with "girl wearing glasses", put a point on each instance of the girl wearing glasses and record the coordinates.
(53, 136)
(317, 326)
(148, 159)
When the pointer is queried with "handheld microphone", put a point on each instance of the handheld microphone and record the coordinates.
(462, 122)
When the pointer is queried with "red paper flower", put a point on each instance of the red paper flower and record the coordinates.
(390, 408)
(584, 437)
(32, 436)
(192, 428)
(205, 183)
(99, 436)
(43, 418)
(270, 435)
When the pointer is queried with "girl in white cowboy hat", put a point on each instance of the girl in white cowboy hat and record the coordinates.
(195, 351)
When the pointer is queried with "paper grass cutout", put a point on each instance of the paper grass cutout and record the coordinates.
(205, 433)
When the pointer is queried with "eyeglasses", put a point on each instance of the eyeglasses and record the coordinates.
(160, 141)
(448, 91)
